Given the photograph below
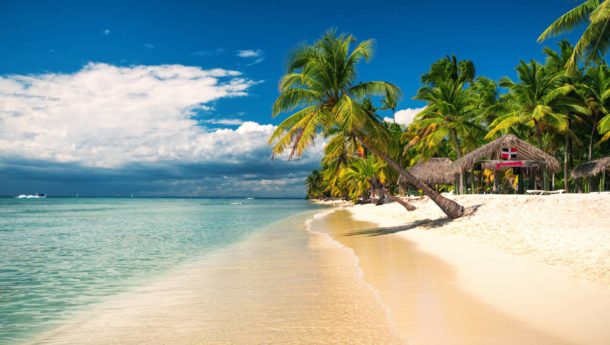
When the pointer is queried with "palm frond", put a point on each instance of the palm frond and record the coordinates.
(570, 20)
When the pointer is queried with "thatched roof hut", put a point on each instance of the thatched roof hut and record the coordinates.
(434, 171)
(591, 168)
(493, 151)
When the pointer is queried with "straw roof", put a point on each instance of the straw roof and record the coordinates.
(493, 150)
(434, 171)
(591, 168)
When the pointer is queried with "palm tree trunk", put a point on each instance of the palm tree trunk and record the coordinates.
(566, 158)
(544, 171)
(591, 141)
(458, 152)
(538, 134)
(451, 208)
(384, 193)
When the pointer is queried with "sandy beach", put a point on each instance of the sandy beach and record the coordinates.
(522, 269)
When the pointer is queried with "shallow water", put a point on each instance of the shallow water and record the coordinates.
(60, 256)
(281, 285)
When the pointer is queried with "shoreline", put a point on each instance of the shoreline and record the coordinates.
(518, 287)
(282, 285)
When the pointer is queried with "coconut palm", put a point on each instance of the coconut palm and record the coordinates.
(314, 184)
(360, 175)
(555, 63)
(535, 98)
(595, 89)
(449, 68)
(448, 116)
(594, 42)
(320, 89)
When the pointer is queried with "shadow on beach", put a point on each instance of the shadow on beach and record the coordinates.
(424, 223)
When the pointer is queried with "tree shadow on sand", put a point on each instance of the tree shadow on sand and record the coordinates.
(424, 223)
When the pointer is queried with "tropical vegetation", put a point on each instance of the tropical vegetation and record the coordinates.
(561, 105)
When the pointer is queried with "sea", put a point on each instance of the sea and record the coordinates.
(180, 271)
(58, 255)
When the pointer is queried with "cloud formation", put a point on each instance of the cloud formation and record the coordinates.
(134, 126)
(249, 53)
(256, 55)
(405, 116)
(106, 116)
(224, 122)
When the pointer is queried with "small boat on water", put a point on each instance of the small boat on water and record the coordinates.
(32, 196)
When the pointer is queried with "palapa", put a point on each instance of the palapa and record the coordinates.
(434, 171)
(591, 168)
(493, 151)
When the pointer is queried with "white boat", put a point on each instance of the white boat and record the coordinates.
(31, 196)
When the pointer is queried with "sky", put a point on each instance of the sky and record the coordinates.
(173, 98)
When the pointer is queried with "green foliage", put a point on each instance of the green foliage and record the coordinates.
(593, 43)
(565, 114)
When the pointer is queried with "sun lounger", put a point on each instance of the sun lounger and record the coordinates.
(544, 192)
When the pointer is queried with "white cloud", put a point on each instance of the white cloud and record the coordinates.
(107, 116)
(106, 32)
(405, 116)
(224, 122)
(209, 52)
(149, 46)
(250, 53)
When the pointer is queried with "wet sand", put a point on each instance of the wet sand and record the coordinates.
(284, 285)
(429, 304)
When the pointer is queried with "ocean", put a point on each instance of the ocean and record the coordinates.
(59, 256)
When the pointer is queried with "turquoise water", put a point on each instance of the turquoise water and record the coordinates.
(58, 256)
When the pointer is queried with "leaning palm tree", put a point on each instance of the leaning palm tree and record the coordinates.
(319, 89)
(595, 40)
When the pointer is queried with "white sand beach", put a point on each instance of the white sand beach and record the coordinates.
(521, 269)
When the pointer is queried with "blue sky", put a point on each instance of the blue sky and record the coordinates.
(52, 51)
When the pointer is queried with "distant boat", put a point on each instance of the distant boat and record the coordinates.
(32, 196)
(249, 198)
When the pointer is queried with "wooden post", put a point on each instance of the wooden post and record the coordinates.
(545, 178)
(473, 182)
(496, 181)
(521, 183)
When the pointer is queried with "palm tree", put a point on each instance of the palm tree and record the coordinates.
(449, 68)
(320, 87)
(595, 90)
(594, 41)
(555, 63)
(314, 184)
(448, 114)
(360, 176)
(535, 98)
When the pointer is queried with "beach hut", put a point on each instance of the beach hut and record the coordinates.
(509, 152)
(434, 171)
(592, 168)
